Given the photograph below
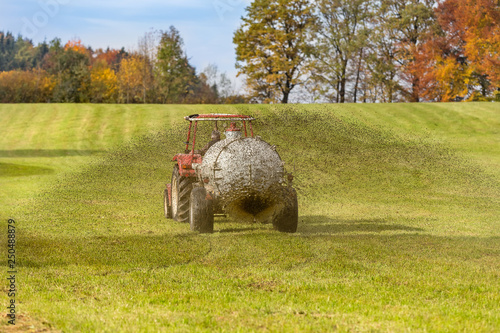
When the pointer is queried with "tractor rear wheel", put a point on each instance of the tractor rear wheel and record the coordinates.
(201, 215)
(181, 189)
(288, 219)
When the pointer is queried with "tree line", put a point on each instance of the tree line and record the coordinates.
(370, 50)
(157, 72)
(332, 51)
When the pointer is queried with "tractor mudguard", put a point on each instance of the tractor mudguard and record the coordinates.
(185, 162)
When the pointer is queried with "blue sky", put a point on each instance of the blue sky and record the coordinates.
(206, 26)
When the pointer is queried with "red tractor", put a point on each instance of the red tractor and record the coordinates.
(240, 175)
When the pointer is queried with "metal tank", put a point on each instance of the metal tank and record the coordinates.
(245, 175)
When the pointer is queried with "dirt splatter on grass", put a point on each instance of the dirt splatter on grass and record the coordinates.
(330, 156)
(387, 221)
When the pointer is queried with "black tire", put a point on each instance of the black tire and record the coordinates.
(201, 215)
(288, 219)
(181, 189)
(167, 209)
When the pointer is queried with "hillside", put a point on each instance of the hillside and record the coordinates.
(398, 226)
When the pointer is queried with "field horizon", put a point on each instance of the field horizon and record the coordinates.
(399, 208)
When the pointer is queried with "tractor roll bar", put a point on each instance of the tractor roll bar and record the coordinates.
(217, 116)
(214, 117)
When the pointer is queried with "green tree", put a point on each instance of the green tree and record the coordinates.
(342, 31)
(381, 59)
(20, 53)
(7, 51)
(25, 54)
(272, 47)
(71, 66)
(174, 75)
(40, 52)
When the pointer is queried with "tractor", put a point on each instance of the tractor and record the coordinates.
(240, 175)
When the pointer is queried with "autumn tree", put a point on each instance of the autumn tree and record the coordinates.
(103, 83)
(112, 57)
(29, 86)
(482, 48)
(130, 79)
(407, 24)
(342, 32)
(272, 47)
(464, 57)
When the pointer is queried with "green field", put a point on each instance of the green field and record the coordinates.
(399, 226)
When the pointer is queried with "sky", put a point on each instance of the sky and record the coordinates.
(207, 26)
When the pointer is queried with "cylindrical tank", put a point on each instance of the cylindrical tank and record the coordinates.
(245, 175)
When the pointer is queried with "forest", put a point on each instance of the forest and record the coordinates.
(308, 51)
(158, 72)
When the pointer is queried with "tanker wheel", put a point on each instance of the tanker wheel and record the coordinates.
(181, 189)
(166, 207)
(201, 215)
(288, 219)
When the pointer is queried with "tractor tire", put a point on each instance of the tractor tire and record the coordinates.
(166, 207)
(287, 220)
(181, 189)
(201, 215)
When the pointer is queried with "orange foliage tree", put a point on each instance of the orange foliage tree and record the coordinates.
(131, 79)
(103, 83)
(464, 61)
(76, 45)
(112, 57)
(33, 86)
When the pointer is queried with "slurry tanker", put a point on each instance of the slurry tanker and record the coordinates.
(240, 175)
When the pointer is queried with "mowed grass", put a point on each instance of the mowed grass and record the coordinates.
(398, 230)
